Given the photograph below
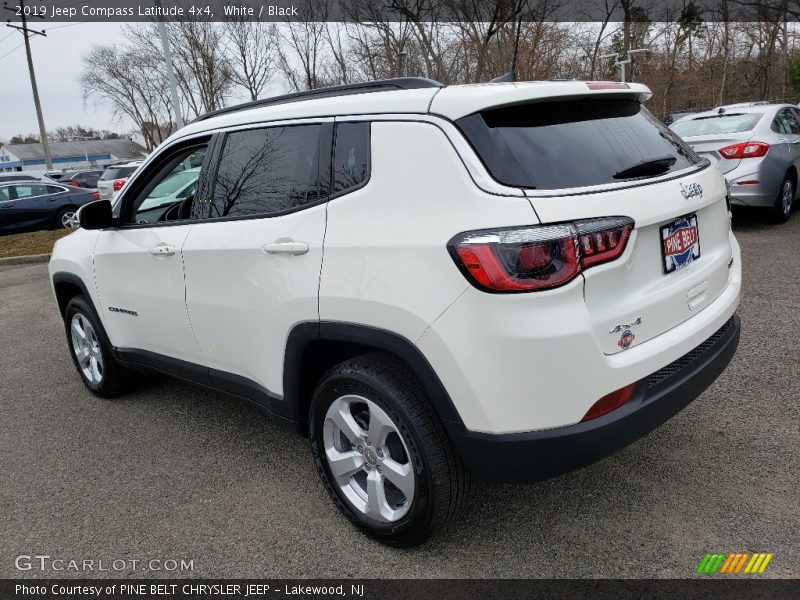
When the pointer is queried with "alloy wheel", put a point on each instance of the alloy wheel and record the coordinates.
(369, 458)
(787, 197)
(69, 220)
(87, 349)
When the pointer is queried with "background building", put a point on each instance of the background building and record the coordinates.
(69, 155)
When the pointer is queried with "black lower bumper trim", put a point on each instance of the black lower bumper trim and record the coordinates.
(538, 455)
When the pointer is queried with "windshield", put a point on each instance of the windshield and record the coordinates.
(574, 143)
(725, 123)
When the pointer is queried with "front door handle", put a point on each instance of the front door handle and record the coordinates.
(286, 247)
(162, 250)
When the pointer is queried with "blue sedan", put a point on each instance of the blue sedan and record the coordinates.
(34, 205)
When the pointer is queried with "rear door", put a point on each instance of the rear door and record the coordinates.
(253, 265)
(596, 158)
(34, 205)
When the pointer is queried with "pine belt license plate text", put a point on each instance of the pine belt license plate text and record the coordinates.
(680, 243)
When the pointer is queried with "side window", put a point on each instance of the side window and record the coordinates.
(780, 124)
(351, 156)
(30, 190)
(792, 122)
(167, 195)
(268, 171)
(52, 189)
(5, 193)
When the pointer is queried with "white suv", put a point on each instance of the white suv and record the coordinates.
(506, 280)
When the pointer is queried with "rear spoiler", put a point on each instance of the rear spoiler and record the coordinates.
(457, 101)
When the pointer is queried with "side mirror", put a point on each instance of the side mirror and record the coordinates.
(95, 215)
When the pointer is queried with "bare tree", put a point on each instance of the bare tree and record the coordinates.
(253, 53)
(131, 82)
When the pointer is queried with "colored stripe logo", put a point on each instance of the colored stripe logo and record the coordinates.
(734, 563)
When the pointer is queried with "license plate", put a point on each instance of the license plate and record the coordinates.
(680, 243)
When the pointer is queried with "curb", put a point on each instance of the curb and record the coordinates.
(24, 260)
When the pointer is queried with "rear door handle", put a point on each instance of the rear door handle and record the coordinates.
(162, 250)
(286, 247)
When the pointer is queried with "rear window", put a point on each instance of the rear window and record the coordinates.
(117, 173)
(574, 143)
(726, 123)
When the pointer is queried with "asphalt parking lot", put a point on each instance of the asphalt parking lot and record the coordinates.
(172, 471)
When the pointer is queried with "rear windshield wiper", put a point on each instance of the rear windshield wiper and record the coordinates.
(654, 166)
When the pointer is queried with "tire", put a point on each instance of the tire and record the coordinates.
(785, 200)
(66, 218)
(91, 353)
(412, 449)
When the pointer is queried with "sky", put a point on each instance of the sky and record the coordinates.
(57, 61)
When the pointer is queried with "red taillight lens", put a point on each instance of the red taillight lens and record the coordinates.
(74, 184)
(744, 150)
(96, 195)
(535, 258)
(118, 183)
(609, 402)
(602, 240)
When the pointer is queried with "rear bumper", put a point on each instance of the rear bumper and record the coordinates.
(539, 455)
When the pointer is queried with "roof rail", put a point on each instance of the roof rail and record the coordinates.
(379, 85)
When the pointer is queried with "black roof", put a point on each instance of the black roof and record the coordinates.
(379, 85)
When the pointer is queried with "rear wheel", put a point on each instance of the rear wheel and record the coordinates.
(91, 351)
(67, 218)
(382, 453)
(785, 200)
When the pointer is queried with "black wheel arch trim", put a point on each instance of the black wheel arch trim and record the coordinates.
(304, 334)
(72, 279)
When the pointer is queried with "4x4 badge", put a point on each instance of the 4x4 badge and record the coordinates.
(622, 326)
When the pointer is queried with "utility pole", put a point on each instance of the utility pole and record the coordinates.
(40, 117)
(173, 87)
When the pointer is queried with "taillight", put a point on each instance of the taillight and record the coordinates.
(609, 402)
(118, 183)
(96, 195)
(538, 257)
(744, 150)
(603, 240)
(607, 85)
(74, 184)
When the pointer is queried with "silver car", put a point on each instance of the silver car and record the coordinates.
(757, 148)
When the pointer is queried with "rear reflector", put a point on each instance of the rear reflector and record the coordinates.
(537, 257)
(748, 182)
(607, 85)
(609, 402)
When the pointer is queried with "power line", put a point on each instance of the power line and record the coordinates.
(67, 25)
(12, 50)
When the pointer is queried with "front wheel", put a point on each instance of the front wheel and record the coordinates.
(382, 453)
(91, 351)
(785, 200)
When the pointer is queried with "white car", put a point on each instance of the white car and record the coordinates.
(114, 179)
(506, 281)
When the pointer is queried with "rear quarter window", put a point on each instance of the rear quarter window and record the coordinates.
(572, 143)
